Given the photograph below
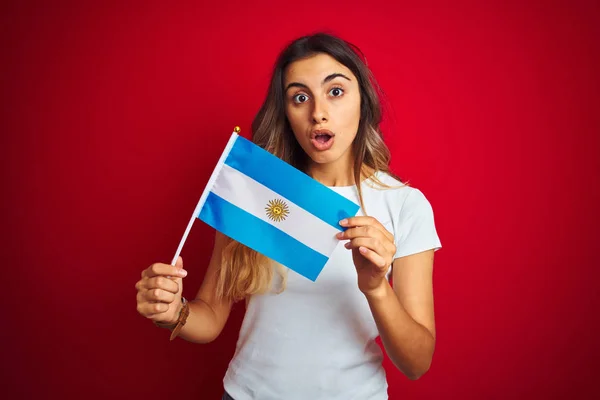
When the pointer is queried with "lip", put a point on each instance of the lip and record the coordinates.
(317, 132)
(318, 145)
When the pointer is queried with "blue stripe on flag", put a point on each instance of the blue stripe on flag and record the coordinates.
(289, 182)
(262, 237)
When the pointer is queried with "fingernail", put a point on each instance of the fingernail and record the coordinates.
(182, 272)
(343, 222)
(347, 245)
(340, 235)
(363, 250)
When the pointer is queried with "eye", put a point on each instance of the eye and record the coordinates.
(336, 92)
(300, 98)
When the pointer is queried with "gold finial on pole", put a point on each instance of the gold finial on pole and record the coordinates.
(237, 129)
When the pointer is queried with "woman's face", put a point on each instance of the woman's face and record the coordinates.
(322, 104)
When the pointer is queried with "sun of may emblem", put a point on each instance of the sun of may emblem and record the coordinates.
(277, 210)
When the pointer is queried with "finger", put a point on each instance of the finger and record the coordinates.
(161, 282)
(159, 295)
(178, 264)
(369, 232)
(359, 221)
(148, 309)
(143, 297)
(355, 221)
(161, 317)
(369, 243)
(372, 256)
(363, 231)
(366, 221)
(160, 269)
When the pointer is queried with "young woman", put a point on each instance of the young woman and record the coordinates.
(316, 340)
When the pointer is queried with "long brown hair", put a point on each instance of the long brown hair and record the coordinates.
(244, 271)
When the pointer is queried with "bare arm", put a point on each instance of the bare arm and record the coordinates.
(208, 315)
(405, 316)
(159, 298)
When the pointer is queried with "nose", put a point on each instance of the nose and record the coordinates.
(320, 113)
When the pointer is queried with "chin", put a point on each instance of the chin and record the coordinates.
(326, 157)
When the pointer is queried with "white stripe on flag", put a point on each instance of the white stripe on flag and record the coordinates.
(253, 197)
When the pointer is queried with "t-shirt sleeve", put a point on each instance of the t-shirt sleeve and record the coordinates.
(415, 227)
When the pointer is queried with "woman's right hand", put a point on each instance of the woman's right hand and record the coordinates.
(159, 292)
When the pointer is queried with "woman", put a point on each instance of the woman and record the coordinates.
(316, 340)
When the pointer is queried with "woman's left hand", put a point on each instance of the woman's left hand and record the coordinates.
(373, 250)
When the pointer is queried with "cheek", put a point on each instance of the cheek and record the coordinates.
(352, 117)
(292, 115)
(294, 119)
(297, 120)
(356, 112)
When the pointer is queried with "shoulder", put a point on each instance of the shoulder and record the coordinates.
(395, 202)
(397, 195)
(409, 217)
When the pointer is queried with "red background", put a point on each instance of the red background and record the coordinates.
(114, 113)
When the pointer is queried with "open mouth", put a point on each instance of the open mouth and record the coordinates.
(322, 139)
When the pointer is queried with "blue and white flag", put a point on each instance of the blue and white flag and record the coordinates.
(266, 204)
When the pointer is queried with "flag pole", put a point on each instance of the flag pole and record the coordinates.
(193, 218)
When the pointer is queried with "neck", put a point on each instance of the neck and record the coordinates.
(337, 173)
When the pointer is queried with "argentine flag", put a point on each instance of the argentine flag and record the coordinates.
(266, 204)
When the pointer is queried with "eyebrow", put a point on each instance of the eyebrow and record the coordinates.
(327, 79)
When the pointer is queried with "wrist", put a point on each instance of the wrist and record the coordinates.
(378, 292)
(177, 314)
(171, 324)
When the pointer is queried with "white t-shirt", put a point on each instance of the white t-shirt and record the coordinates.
(316, 340)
